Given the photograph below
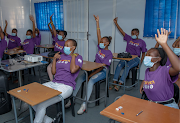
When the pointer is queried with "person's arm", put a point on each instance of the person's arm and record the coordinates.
(119, 28)
(157, 45)
(142, 58)
(141, 87)
(56, 56)
(6, 28)
(73, 67)
(50, 28)
(98, 28)
(32, 19)
(1, 33)
(175, 62)
(53, 27)
(95, 72)
(174, 44)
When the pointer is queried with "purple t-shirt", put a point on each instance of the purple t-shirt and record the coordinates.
(104, 56)
(3, 45)
(28, 45)
(38, 39)
(135, 46)
(59, 45)
(53, 43)
(63, 73)
(14, 41)
(168, 63)
(158, 84)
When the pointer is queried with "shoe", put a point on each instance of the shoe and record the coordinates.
(82, 109)
(68, 104)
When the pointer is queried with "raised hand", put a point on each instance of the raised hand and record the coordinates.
(162, 38)
(51, 17)
(6, 22)
(31, 18)
(96, 18)
(115, 20)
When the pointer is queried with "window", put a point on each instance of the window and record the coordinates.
(160, 14)
(43, 12)
(178, 21)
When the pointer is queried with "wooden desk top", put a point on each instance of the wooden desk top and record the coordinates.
(127, 59)
(89, 66)
(12, 52)
(48, 46)
(152, 112)
(36, 94)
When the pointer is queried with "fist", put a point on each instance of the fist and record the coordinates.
(31, 18)
(96, 18)
(57, 56)
(115, 20)
(6, 22)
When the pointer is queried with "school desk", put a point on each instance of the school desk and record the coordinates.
(125, 68)
(46, 46)
(33, 94)
(152, 112)
(87, 67)
(13, 52)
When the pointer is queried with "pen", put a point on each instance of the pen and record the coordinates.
(139, 113)
(27, 90)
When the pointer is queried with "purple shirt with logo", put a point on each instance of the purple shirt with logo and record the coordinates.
(104, 56)
(63, 73)
(38, 39)
(158, 84)
(14, 41)
(59, 45)
(28, 45)
(3, 45)
(135, 46)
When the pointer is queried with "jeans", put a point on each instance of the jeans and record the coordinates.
(130, 64)
(172, 105)
(97, 77)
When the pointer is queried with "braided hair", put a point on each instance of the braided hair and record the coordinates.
(163, 56)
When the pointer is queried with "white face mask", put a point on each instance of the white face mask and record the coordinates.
(147, 61)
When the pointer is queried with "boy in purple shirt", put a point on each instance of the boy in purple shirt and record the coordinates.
(29, 42)
(103, 56)
(66, 68)
(14, 40)
(3, 44)
(159, 78)
(134, 46)
(59, 43)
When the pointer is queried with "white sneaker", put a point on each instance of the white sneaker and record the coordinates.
(68, 104)
(82, 109)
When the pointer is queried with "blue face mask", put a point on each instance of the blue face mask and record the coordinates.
(36, 34)
(101, 45)
(59, 37)
(133, 36)
(28, 37)
(147, 61)
(67, 50)
(177, 51)
(13, 34)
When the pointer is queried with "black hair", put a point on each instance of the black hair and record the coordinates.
(65, 33)
(108, 38)
(163, 56)
(57, 31)
(36, 29)
(136, 29)
(29, 30)
(74, 42)
(15, 29)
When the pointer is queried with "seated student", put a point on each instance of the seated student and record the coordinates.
(3, 44)
(103, 56)
(38, 37)
(57, 32)
(134, 46)
(159, 78)
(59, 45)
(29, 42)
(14, 40)
(66, 68)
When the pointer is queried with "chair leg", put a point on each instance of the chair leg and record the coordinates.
(29, 70)
(34, 71)
(134, 73)
(72, 106)
(82, 89)
(97, 92)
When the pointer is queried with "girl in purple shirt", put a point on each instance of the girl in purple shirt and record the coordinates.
(3, 44)
(159, 78)
(103, 56)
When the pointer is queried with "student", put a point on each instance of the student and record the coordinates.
(103, 56)
(38, 37)
(66, 68)
(134, 46)
(14, 40)
(57, 32)
(59, 44)
(29, 42)
(3, 44)
(159, 78)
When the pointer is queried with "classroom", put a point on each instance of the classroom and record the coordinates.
(89, 61)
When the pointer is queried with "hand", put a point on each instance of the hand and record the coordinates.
(162, 39)
(0, 29)
(6, 22)
(57, 56)
(141, 87)
(169, 33)
(115, 20)
(51, 17)
(31, 18)
(76, 54)
(96, 18)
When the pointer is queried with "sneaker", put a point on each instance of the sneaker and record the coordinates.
(82, 109)
(68, 104)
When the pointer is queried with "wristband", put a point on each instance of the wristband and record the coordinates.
(75, 54)
(98, 28)
(51, 22)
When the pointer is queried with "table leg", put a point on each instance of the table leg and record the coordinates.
(106, 85)
(63, 110)
(14, 106)
(20, 84)
(125, 76)
(31, 114)
(86, 88)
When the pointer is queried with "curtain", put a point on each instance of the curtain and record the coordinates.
(178, 21)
